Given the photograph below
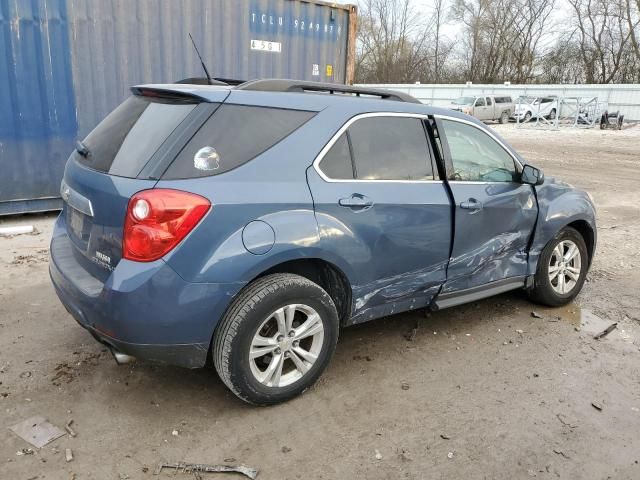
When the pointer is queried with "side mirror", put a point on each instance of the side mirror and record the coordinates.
(532, 175)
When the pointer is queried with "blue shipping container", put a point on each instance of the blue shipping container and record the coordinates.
(65, 64)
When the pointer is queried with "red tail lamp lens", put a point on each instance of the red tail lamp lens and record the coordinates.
(157, 220)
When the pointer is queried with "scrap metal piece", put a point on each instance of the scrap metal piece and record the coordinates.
(196, 468)
(606, 331)
(37, 431)
(70, 430)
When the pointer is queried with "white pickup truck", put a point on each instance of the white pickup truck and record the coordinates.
(485, 107)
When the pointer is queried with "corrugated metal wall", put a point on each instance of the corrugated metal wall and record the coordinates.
(65, 64)
(625, 98)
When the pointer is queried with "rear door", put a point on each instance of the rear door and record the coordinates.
(494, 212)
(381, 210)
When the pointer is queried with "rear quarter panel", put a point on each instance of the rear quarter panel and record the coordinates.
(272, 189)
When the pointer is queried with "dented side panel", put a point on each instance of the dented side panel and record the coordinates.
(397, 249)
(560, 204)
(490, 244)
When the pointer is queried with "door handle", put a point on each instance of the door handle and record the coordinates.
(356, 201)
(472, 204)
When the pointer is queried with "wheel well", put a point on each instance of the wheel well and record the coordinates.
(587, 234)
(325, 274)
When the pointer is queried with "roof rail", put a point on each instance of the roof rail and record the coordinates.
(282, 85)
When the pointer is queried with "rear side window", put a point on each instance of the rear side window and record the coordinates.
(336, 163)
(128, 137)
(390, 148)
(232, 136)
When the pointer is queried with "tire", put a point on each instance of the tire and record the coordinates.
(545, 290)
(504, 118)
(527, 117)
(255, 312)
(552, 114)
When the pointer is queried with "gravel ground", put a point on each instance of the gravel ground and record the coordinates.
(485, 390)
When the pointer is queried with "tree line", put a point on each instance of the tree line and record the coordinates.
(493, 41)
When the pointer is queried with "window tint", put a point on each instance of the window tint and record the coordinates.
(476, 156)
(503, 99)
(126, 139)
(232, 136)
(336, 163)
(480, 102)
(390, 148)
(489, 101)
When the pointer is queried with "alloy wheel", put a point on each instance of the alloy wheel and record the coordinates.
(565, 266)
(286, 345)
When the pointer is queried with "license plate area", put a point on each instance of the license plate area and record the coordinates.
(78, 225)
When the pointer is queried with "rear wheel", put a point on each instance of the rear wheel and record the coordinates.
(527, 116)
(552, 114)
(276, 339)
(504, 118)
(562, 268)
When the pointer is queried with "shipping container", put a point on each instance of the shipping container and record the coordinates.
(65, 64)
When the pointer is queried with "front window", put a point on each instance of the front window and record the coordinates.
(476, 156)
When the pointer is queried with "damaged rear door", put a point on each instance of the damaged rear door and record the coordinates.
(384, 212)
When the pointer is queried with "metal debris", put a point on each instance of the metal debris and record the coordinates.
(597, 406)
(378, 455)
(606, 331)
(68, 455)
(196, 468)
(536, 315)
(405, 386)
(70, 430)
(25, 451)
(445, 437)
(37, 431)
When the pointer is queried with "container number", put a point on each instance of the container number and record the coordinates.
(265, 46)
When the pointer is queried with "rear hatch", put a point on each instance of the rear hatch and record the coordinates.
(126, 153)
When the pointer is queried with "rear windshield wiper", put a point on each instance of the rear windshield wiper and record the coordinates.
(82, 149)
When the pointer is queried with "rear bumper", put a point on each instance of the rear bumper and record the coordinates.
(145, 310)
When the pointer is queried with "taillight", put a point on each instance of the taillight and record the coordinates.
(157, 220)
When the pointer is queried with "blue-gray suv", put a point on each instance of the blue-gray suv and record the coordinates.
(246, 224)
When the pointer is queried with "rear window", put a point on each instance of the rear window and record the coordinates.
(232, 136)
(128, 137)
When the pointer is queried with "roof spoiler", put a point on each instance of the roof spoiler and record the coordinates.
(281, 85)
(162, 93)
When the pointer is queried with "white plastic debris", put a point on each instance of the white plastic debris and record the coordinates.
(378, 455)
(16, 230)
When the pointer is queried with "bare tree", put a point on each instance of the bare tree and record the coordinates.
(392, 42)
(603, 37)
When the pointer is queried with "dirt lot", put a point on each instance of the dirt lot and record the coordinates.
(480, 391)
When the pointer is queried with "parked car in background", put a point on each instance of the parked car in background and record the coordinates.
(487, 107)
(527, 108)
(248, 224)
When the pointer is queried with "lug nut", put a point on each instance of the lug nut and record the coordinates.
(286, 354)
(278, 351)
(292, 333)
(280, 338)
(296, 343)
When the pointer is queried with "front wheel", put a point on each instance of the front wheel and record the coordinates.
(562, 268)
(276, 339)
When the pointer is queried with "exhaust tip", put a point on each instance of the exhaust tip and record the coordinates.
(122, 358)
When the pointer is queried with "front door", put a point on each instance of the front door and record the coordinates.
(494, 212)
(382, 213)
